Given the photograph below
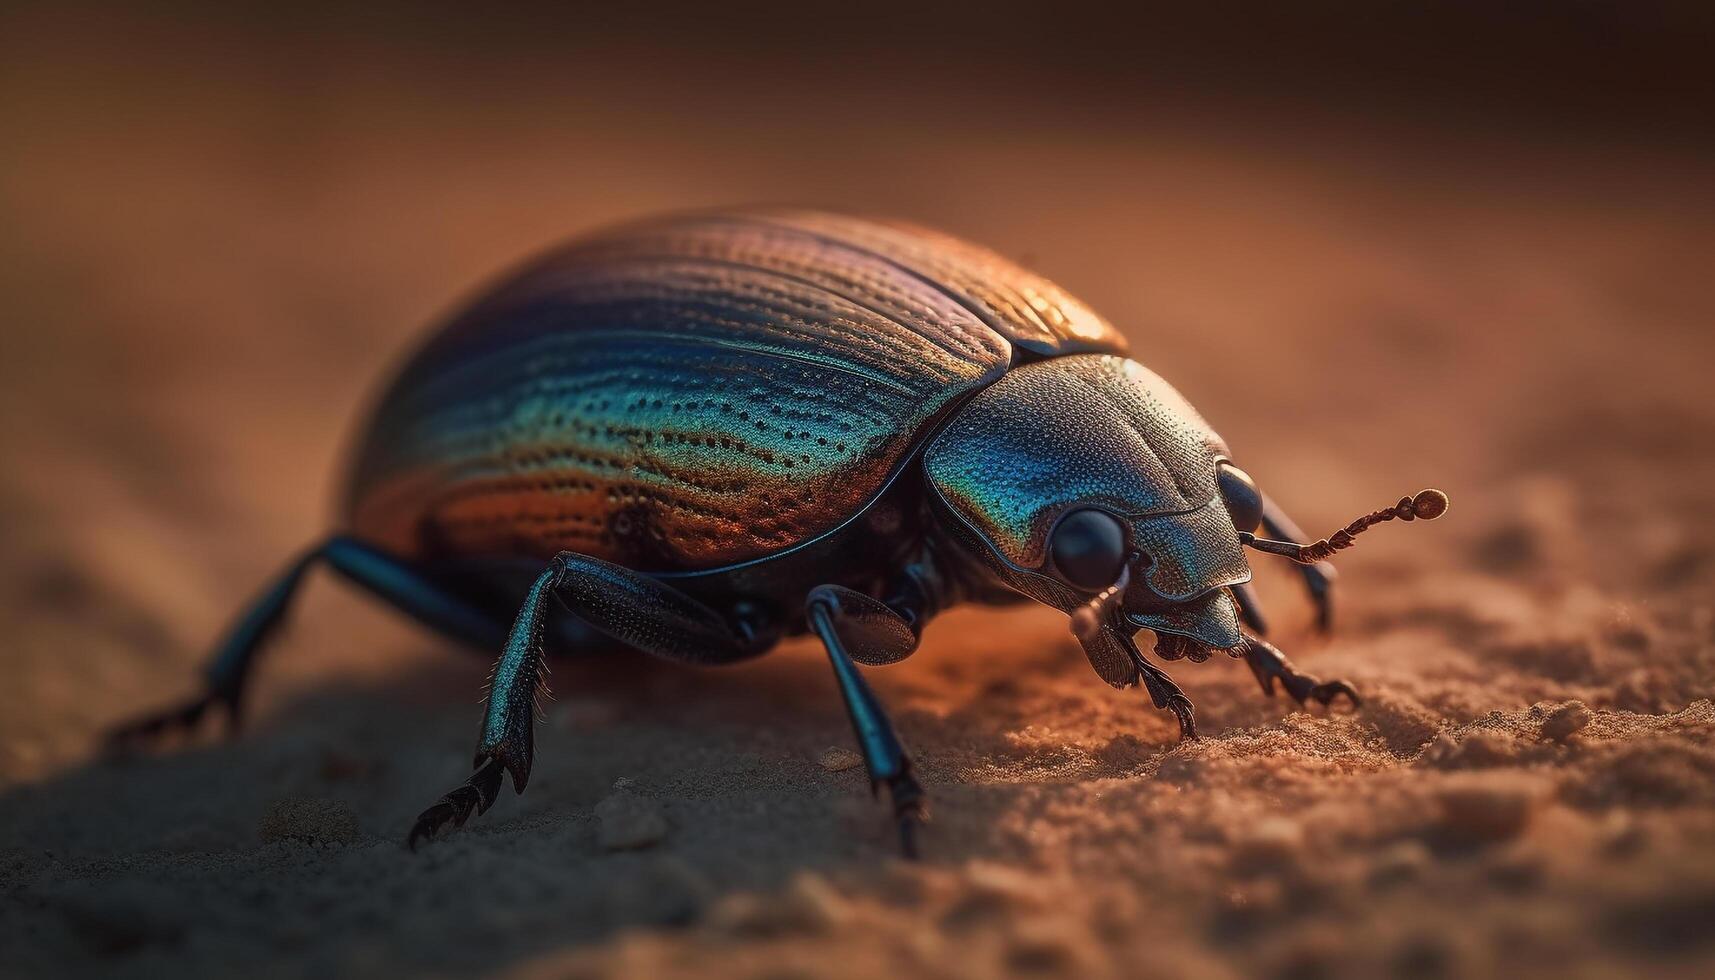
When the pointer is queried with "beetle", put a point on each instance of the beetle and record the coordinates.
(702, 433)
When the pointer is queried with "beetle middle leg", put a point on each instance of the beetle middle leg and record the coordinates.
(1250, 607)
(1270, 665)
(631, 607)
(855, 627)
(1318, 578)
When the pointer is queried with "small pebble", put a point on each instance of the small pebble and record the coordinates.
(1274, 842)
(809, 905)
(993, 893)
(628, 821)
(813, 903)
(1566, 721)
(1488, 810)
(309, 820)
(835, 759)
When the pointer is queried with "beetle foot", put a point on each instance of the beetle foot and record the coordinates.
(1165, 694)
(1327, 691)
(477, 793)
(910, 811)
(1182, 709)
(148, 730)
(1304, 688)
(1270, 665)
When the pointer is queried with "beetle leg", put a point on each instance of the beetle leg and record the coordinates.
(1166, 694)
(476, 793)
(374, 570)
(1270, 665)
(1318, 578)
(854, 626)
(1250, 607)
(1163, 692)
(631, 607)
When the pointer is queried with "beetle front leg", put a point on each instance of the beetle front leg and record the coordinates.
(1270, 665)
(855, 627)
(1166, 695)
(1115, 646)
(630, 607)
(1318, 578)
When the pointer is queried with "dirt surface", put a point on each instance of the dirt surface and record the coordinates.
(205, 272)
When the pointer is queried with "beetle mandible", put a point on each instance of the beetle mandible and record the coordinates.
(702, 433)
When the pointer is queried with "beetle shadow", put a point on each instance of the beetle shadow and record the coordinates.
(285, 843)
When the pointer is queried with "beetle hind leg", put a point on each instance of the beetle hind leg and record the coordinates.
(184, 716)
(1270, 665)
(228, 671)
(855, 627)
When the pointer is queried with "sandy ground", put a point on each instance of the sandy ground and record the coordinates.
(200, 286)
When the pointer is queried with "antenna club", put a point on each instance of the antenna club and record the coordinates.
(1425, 505)
(1429, 504)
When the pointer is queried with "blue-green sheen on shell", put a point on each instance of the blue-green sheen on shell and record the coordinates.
(696, 392)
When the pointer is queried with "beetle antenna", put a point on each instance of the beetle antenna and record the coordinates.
(1427, 505)
(1088, 618)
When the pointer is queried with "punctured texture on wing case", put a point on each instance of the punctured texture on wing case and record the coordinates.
(694, 393)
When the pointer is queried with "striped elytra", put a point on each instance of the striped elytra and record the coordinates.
(695, 392)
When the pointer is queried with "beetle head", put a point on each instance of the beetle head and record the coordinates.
(1089, 476)
(1087, 483)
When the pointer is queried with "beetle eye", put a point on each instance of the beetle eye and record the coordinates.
(1239, 493)
(1088, 548)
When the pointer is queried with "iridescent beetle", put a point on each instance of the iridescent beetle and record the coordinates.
(703, 433)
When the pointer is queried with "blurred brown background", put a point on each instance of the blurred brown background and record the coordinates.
(1382, 247)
